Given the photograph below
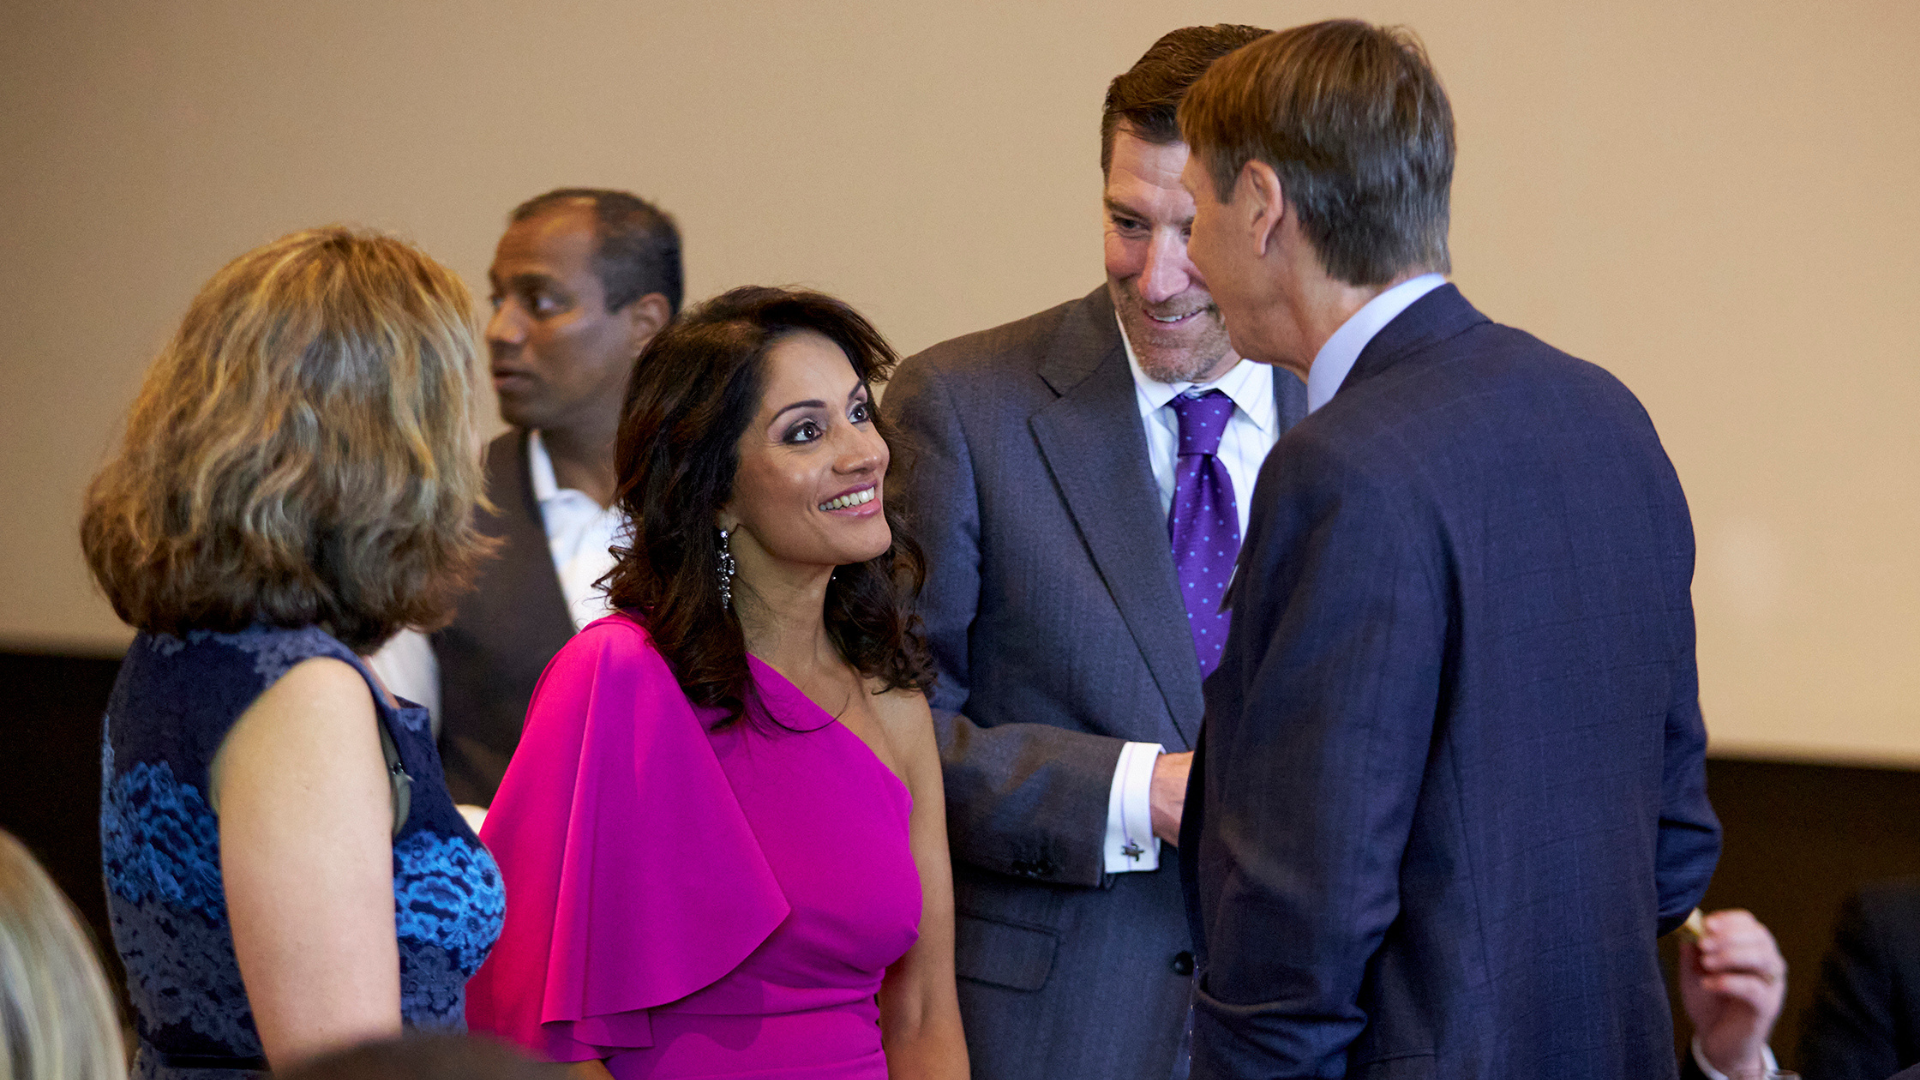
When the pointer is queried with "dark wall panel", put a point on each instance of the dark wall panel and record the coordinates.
(1799, 838)
(50, 719)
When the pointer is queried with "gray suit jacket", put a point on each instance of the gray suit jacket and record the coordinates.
(1056, 619)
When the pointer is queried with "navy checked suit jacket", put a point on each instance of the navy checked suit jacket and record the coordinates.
(1451, 783)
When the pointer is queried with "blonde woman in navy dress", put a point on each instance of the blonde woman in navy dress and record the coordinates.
(284, 868)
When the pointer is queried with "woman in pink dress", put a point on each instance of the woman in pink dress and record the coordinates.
(723, 835)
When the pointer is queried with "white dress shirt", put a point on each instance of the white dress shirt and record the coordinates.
(1711, 1073)
(1251, 432)
(1336, 358)
(579, 533)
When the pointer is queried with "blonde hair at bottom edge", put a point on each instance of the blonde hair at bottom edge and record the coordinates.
(57, 1020)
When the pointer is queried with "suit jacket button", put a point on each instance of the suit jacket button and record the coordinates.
(1182, 963)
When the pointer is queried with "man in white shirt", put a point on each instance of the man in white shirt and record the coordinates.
(1080, 480)
(581, 281)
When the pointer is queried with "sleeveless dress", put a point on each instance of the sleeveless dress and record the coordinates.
(172, 706)
(685, 902)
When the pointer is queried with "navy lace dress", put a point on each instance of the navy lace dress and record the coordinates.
(173, 704)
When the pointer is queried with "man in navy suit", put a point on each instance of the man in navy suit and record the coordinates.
(1450, 787)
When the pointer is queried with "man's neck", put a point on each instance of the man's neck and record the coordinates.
(1327, 304)
(583, 463)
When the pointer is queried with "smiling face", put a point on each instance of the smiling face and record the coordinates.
(1171, 321)
(808, 491)
(560, 359)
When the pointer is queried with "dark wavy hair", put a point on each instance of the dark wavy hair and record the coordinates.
(693, 393)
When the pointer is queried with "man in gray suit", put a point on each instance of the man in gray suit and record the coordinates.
(1081, 493)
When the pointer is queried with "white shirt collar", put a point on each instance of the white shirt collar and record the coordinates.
(540, 466)
(1248, 384)
(1336, 358)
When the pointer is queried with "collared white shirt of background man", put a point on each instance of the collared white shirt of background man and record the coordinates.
(580, 533)
(1251, 432)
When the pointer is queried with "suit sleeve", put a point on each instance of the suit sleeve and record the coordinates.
(1688, 846)
(1024, 799)
(1852, 1029)
(1319, 726)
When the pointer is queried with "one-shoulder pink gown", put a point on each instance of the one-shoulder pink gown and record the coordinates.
(689, 903)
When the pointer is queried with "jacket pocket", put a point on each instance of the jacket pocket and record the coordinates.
(1014, 955)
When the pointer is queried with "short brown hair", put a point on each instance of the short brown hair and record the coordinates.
(1146, 97)
(303, 452)
(1354, 121)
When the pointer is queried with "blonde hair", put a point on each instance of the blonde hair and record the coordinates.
(303, 451)
(57, 1021)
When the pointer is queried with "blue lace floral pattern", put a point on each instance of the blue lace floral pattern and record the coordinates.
(158, 838)
(450, 898)
(175, 699)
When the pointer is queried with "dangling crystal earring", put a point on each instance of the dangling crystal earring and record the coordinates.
(728, 568)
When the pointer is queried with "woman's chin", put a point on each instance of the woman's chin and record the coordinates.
(867, 549)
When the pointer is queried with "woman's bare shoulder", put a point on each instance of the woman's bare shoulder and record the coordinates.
(904, 718)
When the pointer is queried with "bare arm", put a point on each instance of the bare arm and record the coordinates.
(306, 856)
(919, 1005)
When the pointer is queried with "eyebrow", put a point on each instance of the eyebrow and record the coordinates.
(523, 279)
(1115, 206)
(815, 403)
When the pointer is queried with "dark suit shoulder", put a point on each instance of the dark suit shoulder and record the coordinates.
(1489, 386)
(504, 447)
(1862, 1023)
(509, 487)
(1893, 904)
(1020, 345)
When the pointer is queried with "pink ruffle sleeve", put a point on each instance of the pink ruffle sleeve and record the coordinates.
(632, 876)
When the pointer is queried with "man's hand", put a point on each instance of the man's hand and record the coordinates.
(1732, 984)
(1167, 797)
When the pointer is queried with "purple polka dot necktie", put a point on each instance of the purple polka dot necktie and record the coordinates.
(1204, 525)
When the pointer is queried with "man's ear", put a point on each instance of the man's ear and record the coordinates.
(646, 317)
(1265, 204)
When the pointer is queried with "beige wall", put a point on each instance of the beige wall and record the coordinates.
(1714, 200)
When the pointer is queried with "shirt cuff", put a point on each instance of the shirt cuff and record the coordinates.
(1711, 1073)
(1131, 844)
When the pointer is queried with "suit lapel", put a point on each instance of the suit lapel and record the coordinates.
(1092, 442)
(528, 558)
